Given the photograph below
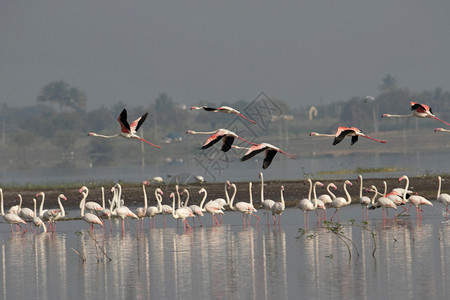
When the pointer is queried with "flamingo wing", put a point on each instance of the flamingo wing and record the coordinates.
(354, 139)
(125, 127)
(227, 143)
(270, 154)
(212, 140)
(420, 107)
(138, 122)
(252, 151)
(341, 135)
(207, 108)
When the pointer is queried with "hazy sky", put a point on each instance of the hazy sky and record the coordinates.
(227, 50)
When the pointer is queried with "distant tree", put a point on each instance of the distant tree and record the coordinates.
(388, 84)
(164, 103)
(61, 94)
(23, 138)
(65, 139)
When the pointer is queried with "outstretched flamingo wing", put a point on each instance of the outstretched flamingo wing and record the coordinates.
(207, 108)
(212, 140)
(252, 151)
(124, 126)
(138, 122)
(341, 133)
(420, 107)
(227, 143)
(270, 154)
(354, 139)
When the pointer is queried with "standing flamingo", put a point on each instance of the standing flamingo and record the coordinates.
(339, 202)
(88, 217)
(326, 199)
(444, 198)
(25, 213)
(60, 214)
(181, 212)
(415, 200)
(211, 207)
(141, 212)
(91, 206)
(363, 200)
(46, 214)
(227, 136)
(126, 130)
(383, 201)
(197, 211)
(306, 204)
(222, 109)
(270, 152)
(419, 111)
(245, 208)
(10, 217)
(122, 211)
(266, 203)
(342, 132)
(278, 208)
(152, 211)
(37, 222)
(105, 213)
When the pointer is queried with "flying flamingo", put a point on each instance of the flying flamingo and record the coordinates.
(326, 199)
(306, 204)
(9, 217)
(88, 217)
(419, 111)
(126, 130)
(415, 200)
(181, 212)
(383, 201)
(245, 208)
(342, 132)
(363, 200)
(222, 109)
(141, 212)
(444, 198)
(266, 203)
(339, 202)
(270, 152)
(152, 211)
(278, 208)
(227, 136)
(441, 129)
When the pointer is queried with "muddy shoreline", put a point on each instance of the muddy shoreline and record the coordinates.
(294, 191)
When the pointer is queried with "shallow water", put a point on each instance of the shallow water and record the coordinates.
(233, 262)
(281, 169)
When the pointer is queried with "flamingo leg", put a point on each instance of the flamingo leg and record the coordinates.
(332, 216)
(257, 217)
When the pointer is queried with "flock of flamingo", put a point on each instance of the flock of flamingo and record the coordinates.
(94, 213)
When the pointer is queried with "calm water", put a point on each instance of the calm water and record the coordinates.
(411, 260)
(219, 171)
